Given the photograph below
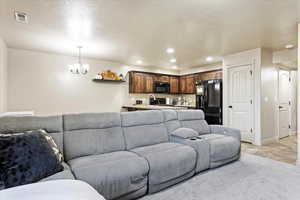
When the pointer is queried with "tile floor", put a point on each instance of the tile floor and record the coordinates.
(285, 150)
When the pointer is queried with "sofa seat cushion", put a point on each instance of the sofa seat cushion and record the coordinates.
(112, 174)
(52, 190)
(167, 161)
(222, 147)
(65, 174)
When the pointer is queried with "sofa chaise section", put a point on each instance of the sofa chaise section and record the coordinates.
(146, 135)
(95, 149)
(224, 142)
(225, 145)
(52, 124)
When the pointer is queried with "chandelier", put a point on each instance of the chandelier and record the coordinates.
(79, 67)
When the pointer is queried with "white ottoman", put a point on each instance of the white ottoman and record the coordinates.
(52, 190)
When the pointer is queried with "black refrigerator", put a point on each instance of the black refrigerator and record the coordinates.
(209, 99)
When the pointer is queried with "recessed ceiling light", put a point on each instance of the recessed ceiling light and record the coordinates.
(174, 67)
(209, 59)
(173, 60)
(170, 50)
(139, 62)
(289, 46)
(21, 17)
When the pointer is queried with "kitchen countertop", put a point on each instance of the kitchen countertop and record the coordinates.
(157, 107)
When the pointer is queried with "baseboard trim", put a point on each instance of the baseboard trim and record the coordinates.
(294, 133)
(269, 140)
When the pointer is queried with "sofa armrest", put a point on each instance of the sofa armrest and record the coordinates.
(217, 129)
(182, 140)
(184, 133)
(201, 146)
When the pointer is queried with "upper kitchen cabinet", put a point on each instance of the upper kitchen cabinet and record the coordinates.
(174, 84)
(137, 82)
(149, 79)
(162, 78)
(187, 84)
(190, 84)
(217, 74)
(143, 82)
(182, 84)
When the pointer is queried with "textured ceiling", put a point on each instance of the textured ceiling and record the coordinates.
(129, 30)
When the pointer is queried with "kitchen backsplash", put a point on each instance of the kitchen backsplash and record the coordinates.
(190, 99)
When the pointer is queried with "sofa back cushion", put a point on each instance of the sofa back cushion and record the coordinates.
(171, 120)
(142, 128)
(91, 134)
(53, 125)
(193, 119)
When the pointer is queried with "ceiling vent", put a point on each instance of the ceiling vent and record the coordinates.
(21, 17)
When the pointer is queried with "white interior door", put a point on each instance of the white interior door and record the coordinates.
(240, 102)
(284, 97)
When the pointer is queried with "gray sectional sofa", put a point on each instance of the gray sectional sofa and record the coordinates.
(127, 155)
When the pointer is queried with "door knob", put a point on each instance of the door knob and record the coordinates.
(280, 107)
(230, 107)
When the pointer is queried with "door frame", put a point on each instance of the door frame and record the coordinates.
(252, 85)
(249, 57)
(277, 105)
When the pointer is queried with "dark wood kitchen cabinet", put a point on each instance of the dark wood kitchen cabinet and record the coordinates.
(163, 78)
(190, 84)
(187, 84)
(174, 84)
(210, 75)
(148, 83)
(182, 84)
(136, 82)
(142, 82)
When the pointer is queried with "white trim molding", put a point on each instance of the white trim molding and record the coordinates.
(253, 58)
(269, 140)
(298, 99)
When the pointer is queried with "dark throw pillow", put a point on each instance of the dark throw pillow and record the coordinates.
(28, 157)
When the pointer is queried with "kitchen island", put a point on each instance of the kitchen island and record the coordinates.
(156, 107)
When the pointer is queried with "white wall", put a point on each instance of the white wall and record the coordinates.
(3, 76)
(269, 105)
(199, 69)
(286, 57)
(41, 82)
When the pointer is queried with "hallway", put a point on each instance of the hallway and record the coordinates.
(285, 150)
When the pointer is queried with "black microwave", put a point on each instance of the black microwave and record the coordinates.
(161, 87)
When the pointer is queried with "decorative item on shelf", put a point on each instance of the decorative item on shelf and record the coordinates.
(108, 75)
(79, 68)
(122, 77)
(99, 77)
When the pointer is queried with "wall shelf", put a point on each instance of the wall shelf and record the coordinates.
(107, 81)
